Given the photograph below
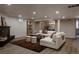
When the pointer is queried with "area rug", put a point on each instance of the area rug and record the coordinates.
(28, 45)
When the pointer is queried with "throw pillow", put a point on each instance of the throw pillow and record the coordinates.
(51, 36)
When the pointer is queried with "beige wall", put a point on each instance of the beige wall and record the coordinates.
(16, 28)
(36, 27)
(68, 26)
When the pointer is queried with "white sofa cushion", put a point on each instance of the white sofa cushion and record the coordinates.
(61, 33)
(50, 33)
(54, 42)
(56, 36)
(48, 40)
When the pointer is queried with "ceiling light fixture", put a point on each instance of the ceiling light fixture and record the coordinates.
(34, 12)
(20, 20)
(52, 22)
(57, 12)
(45, 16)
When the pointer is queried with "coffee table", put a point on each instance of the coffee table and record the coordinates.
(38, 37)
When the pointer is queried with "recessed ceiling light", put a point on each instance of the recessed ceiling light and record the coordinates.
(20, 20)
(45, 16)
(34, 12)
(57, 12)
(63, 17)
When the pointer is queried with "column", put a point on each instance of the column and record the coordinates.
(58, 25)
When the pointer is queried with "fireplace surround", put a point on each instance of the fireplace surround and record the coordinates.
(5, 36)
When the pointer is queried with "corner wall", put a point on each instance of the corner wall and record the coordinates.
(19, 29)
(16, 28)
(67, 26)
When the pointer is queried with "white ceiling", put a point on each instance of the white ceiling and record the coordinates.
(41, 10)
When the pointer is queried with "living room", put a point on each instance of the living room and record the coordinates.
(32, 26)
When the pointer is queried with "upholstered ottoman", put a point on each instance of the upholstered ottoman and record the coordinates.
(28, 38)
(33, 39)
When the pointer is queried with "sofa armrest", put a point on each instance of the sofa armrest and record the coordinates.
(58, 40)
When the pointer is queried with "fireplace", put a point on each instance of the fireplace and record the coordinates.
(5, 36)
(4, 31)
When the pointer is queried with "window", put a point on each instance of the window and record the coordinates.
(77, 24)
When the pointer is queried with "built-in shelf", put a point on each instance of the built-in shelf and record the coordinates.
(29, 27)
